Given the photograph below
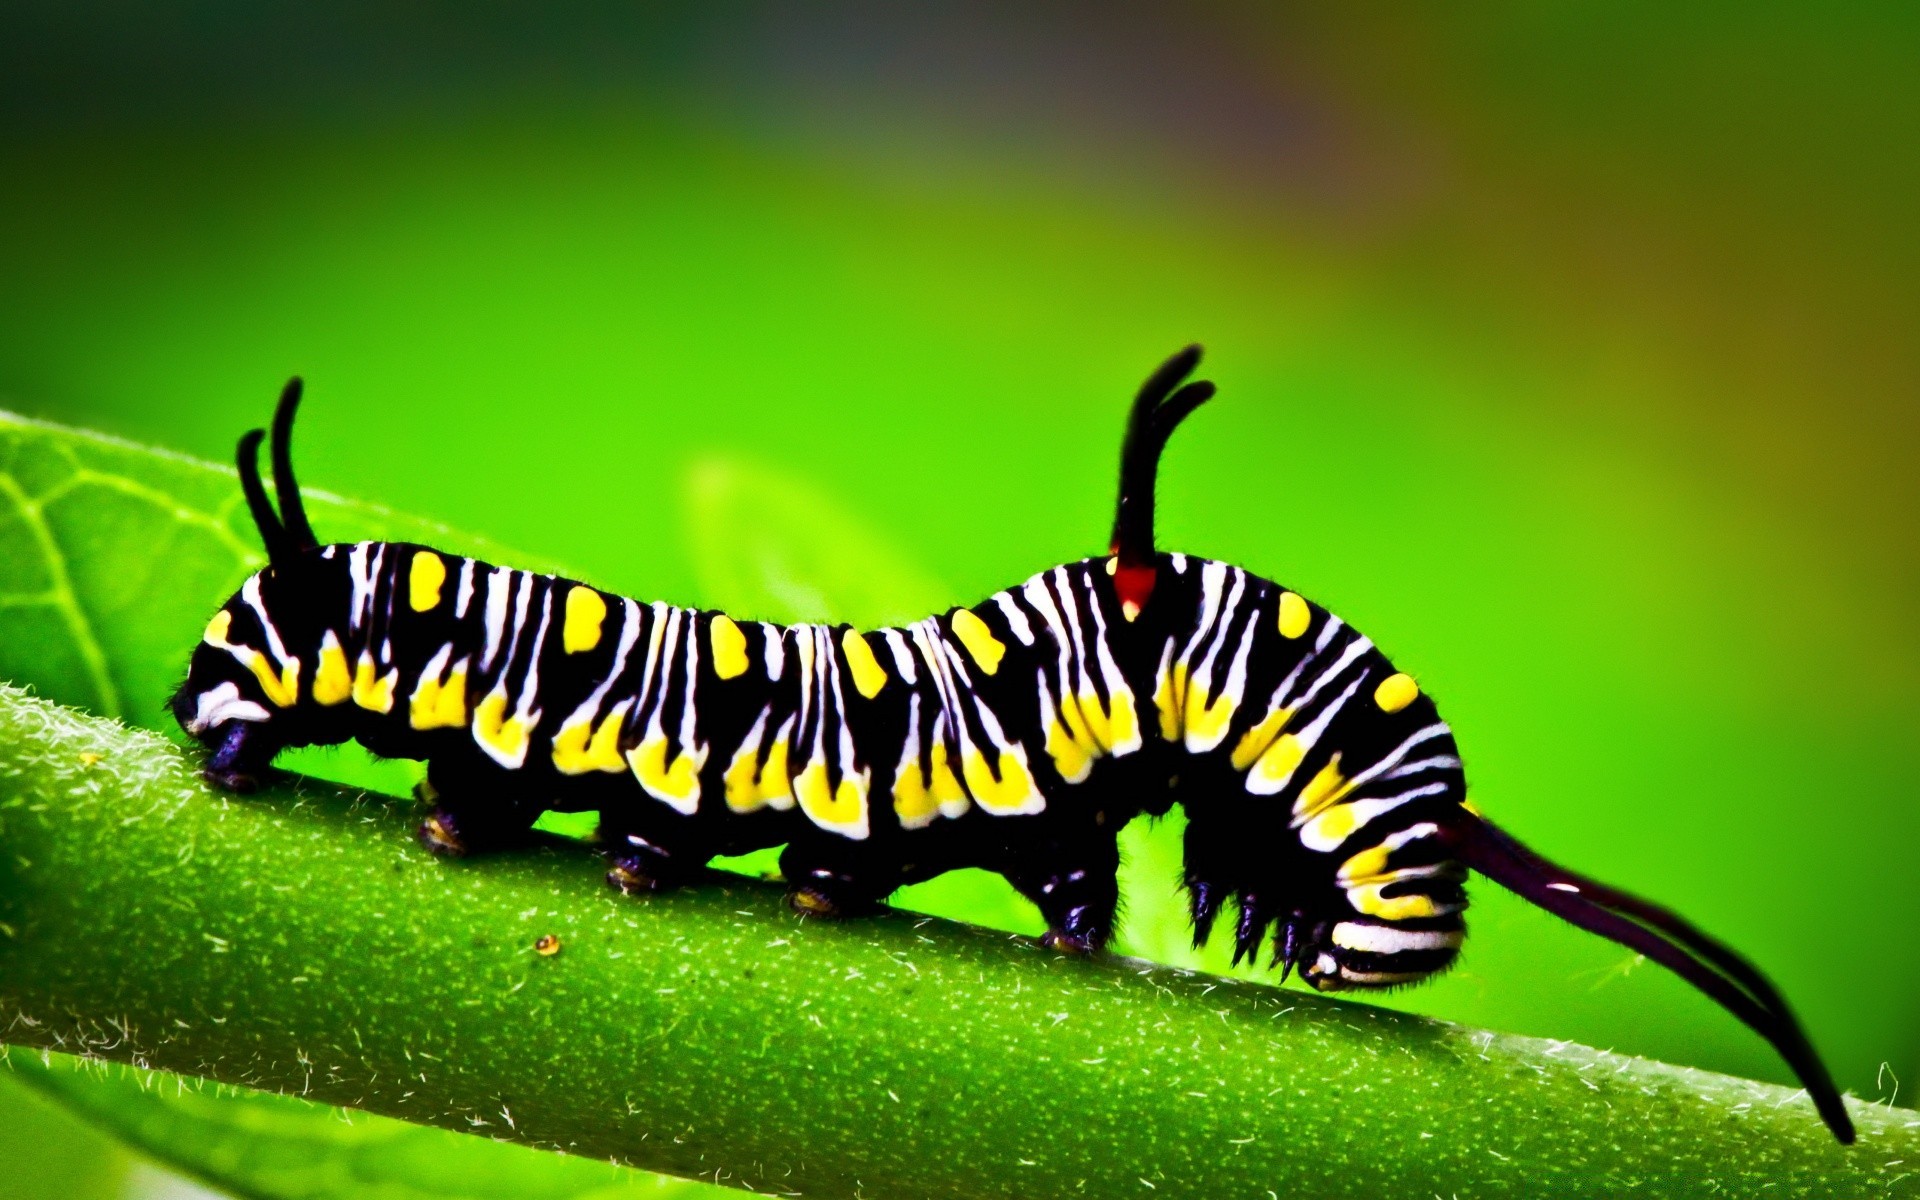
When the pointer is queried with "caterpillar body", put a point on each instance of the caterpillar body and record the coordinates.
(1324, 795)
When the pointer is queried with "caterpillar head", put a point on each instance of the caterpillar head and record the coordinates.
(244, 675)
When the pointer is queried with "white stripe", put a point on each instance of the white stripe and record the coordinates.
(499, 594)
(1361, 812)
(1035, 590)
(250, 592)
(1118, 693)
(629, 634)
(803, 650)
(362, 582)
(1257, 782)
(776, 649)
(1070, 607)
(222, 704)
(690, 707)
(530, 687)
(910, 761)
(1411, 833)
(1355, 649)
(1443, 762)
(1381, 978)
(902, 655)
(1393, 760)
(1213, 577)
(1016, 619)
(465, 595)
(1384, 939)
(861, 826)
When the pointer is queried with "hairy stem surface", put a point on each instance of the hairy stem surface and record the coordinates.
(299, 941)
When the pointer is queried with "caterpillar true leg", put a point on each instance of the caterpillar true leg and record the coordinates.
(244, 754)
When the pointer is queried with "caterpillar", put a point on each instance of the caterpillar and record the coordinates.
(1324, 796)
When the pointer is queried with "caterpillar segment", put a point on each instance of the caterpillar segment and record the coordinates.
(1325, 797)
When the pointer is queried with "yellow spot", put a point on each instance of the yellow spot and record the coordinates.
(1206, 720)
(332, 682)
(743, 792)
(283, 689)
(1295, 616)
(1279, 760)
(507, 735)
(452, 709)
(842, 808)
(569, 746)
(581, 746)
(868, 676)
(1467, 803)
(546, 945)
(978, 639)
(374, 693)
(947, 791)
(1011, 792)
(1367, 899)
(1254, 742)
(1396, 692)
(439, 703)
(586, 613)
(1070, 758)
(424, 578)
(1330, 828)
(913, 802)
(1322, 790)
(747, 792)
(729, 647)
(677, 783)
(1170, 698)
(1075, 719)
(1102, 728)
(776, 787)
(1364, 867)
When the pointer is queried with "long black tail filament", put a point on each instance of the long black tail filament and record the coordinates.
(288, 532)
(1666, 938)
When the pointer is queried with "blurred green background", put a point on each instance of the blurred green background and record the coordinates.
(1569, 351)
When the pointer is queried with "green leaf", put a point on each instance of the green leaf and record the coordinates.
(267, 1147)
(47, 1153)
(301, 942)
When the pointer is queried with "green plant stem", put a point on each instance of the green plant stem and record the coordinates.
(299, 941)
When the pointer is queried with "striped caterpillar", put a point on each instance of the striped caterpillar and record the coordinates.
(1323, 794)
